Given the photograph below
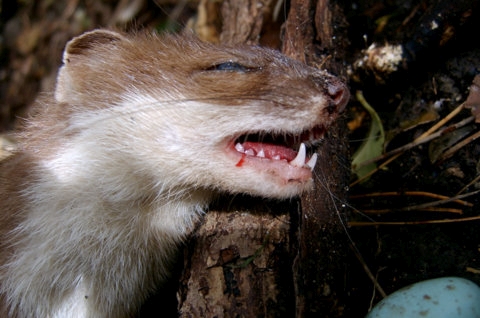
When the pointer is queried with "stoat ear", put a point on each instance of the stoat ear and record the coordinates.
(83, 44)
(79, 52)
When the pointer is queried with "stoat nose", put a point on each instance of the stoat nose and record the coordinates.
(339, 95)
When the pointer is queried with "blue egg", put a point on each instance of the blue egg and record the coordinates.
(446, 297)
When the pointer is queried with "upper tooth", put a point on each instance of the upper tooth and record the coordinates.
(299, 160)
(261, 153)
(239, 147)
(313, 160)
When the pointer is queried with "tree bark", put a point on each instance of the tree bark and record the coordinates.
(239, 266)
(244, 20)
(264, 259)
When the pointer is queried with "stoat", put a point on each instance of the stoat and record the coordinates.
(123, 158)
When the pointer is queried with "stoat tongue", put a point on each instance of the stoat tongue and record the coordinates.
(276, 152)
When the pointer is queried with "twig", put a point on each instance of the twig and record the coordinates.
(466, 219)
(472, 270)
(459, 145)
(429, 205)
(409, 193)
(427, 209)
(367, 270)
(477, 178)
(443, 121)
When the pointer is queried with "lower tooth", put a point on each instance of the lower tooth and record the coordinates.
(250, 152)
(313, 160)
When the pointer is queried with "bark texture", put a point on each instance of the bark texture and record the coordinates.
(240, 267)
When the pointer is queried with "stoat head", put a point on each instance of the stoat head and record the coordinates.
(189, 114)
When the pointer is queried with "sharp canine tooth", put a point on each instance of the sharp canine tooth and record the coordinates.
(239, 147)
(276, 157)
(313, 160)
(261, 153)
(299, 160)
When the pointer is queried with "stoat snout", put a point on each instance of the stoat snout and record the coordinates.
(287, 153)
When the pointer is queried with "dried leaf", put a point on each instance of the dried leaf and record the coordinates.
(428, 116)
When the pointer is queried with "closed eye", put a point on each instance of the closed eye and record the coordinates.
(231, 67)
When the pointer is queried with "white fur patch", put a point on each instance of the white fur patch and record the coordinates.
(75, 305)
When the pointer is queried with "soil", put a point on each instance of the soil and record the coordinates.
(400, 246)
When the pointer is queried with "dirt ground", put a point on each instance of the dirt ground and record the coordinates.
(404, 236)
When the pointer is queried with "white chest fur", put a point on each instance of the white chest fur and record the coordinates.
(74, 305)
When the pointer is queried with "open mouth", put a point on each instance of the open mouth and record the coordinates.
(282, 152)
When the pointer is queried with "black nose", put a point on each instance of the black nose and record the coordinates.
(338, 93)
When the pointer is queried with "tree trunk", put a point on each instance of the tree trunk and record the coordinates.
(239, 266)
(264, 259)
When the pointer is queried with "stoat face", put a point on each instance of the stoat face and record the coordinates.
(181, 113)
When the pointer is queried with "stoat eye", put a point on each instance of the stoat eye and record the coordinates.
(230, 67)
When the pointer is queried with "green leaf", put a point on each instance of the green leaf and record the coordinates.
(373, 144)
